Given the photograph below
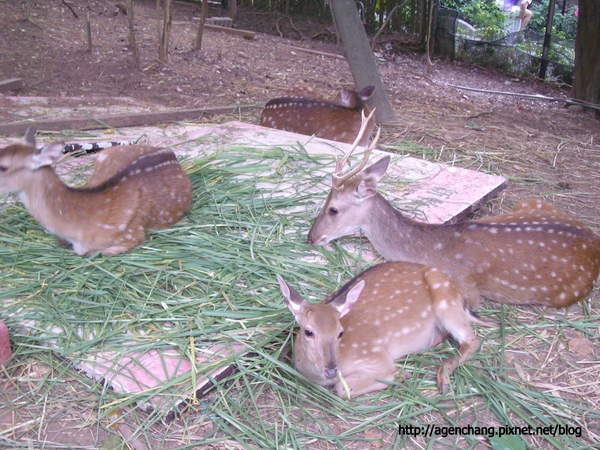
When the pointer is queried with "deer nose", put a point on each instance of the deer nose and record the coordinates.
(331, 373)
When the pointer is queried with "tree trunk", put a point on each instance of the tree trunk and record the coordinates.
(164, 34)
(203, 13)
(586, 83)
(360, 58)
(233, 11)
(130, 25)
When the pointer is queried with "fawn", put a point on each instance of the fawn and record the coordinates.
(337, 120)
(132, 189)
(535, 255)
(386, 312)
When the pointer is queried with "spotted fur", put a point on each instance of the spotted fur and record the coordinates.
(535, 255)
(306, 113)
(383, 314)
(132, 189)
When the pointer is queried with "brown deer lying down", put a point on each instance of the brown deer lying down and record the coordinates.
(383, 314)
(132, 189)
(304, 113)
(535, 255)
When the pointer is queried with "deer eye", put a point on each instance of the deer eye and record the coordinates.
(332, 211)
(3, 168)
(340, 335)
(308, 333)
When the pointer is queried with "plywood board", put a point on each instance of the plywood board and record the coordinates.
(429, 191)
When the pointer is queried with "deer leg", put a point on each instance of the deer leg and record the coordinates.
(361, 378)
(469, 343)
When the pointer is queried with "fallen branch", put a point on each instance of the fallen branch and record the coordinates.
(243, 33)
(315, 52)
(71, 8)
(530, 96)
(115, 121)
(12, 84)
(385, 23)
(484, 113)
(430, 64)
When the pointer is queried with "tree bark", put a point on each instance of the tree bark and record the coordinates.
(360, 58)
(586, 83)
(164, 34)
(203, 13)
(130, 25)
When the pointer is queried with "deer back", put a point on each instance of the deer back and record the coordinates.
(306, 113)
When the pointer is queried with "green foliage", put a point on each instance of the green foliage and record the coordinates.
(482, 14)
(563, 26)
(485, 15)
(507, 443)
(459, 5)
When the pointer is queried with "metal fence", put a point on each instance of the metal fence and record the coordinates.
(515, 51)
(412, 18)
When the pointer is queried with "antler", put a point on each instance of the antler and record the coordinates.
(338, 176)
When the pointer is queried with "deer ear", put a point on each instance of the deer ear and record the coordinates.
(345, 303)
(370, 177)
(30, 136)
(366, 92)
(293, 300)
(47, 155)
(345, 96)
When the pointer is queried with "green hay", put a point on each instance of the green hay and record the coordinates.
(210, 279)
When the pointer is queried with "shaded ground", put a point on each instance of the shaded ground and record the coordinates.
(543, 148)
(534, 141)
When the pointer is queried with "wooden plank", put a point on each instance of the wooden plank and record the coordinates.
(315, 52)
(243, 33)
(114, 121)
(11, 84)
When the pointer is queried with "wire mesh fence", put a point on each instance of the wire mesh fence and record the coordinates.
(509, 49)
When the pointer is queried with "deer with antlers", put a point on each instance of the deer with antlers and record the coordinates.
(535, 255)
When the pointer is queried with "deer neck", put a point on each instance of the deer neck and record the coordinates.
(395, 236)
(51, 201)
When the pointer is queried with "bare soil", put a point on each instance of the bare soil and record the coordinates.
(554, 150)
(545, 149)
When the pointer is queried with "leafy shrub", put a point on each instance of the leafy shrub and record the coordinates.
(482, 14)
(563, 26)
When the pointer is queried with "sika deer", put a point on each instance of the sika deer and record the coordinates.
(132, 189)
(337, 120)
(535, 255)
(386, 312)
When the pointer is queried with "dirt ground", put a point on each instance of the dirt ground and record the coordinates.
(552, 150)
(545, 149)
